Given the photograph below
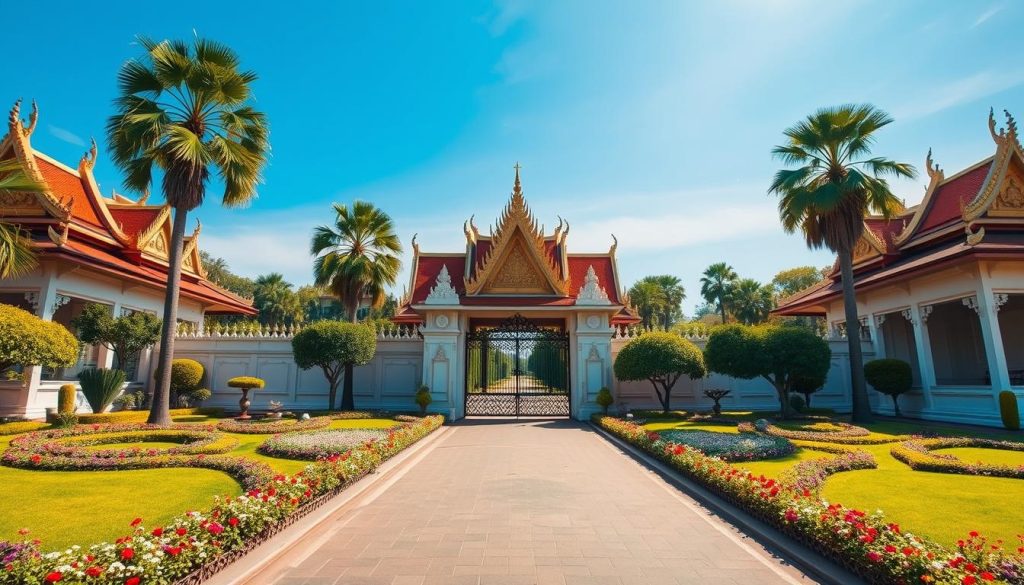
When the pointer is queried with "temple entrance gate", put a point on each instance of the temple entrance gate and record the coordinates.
(517, 367)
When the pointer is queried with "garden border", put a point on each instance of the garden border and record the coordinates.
(811, 562)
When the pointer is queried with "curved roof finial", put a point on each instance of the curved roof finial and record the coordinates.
(615, 245)
(932, 168)
(1011, 126)
(992, 125)
(33, 118)
(415, 246)
(89, 158)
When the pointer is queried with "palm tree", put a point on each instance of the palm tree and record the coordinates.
(834, 186)
(648, 299)
(184, 110)
(751, 301)
(17, 258)
(715, 285)
(672, 295)
(355, 259)
(277, 302)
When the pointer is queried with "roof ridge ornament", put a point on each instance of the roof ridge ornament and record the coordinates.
(1005, 134)
(442, 293)
(933, 168)
(88, 160)
(591, 293)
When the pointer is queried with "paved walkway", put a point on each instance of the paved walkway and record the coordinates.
(528, 502)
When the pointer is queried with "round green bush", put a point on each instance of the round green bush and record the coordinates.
(249, 382)
(605, 399)
(66, 400)
(186, 375)
(423, 398)
(797, 402)
(661, 358)
(1008, 410)
(27, 340)
(201, 394)
(889, 376)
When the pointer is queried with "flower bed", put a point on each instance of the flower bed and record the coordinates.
(193, 546)
(319, 444)
(811, 474)
(920, 455)
(865, 543)
(193, 442)
(848, 435)
(273, 426)
(732, 446)
(141, 416)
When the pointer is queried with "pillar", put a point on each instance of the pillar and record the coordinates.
(593, 362)
(443, 362)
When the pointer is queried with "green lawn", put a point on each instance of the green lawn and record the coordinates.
(940, 506)
(62, 508)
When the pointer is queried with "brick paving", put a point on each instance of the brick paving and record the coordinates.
(528, 502)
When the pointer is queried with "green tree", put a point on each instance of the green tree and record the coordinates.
(219, 273)
(891, 377)
(277, 302)
(780, 355)
(647, 298)
(672, 294)
(661, 358)
(27, 340)
(751, 302)
(791, 281)
(184, 109)
(335, 347)
(356, 258)
(833, 187)
(716, 285)
(124, 335)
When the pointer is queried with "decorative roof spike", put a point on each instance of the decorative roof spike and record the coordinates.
(415, 246)
(997, 138)
(145, 197)
(443, 293)
(89, 158)
(558, 230)
(14, 118)
(33, 118)
(199, 228)
(934, 172)
(1011, 126)
(615, 245)
(59, 238)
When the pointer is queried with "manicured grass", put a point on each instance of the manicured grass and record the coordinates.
(943, 507)
(62, 508)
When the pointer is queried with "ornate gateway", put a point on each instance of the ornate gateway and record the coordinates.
(518, 368)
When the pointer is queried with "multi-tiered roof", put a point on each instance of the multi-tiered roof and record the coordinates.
(69, 220)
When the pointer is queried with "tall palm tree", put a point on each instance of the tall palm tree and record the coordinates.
(672, 296)
(751, 301)
(356, 258)
(648, 299)
(17, 257)
(834, 186)
(184, 109)
(715, 285)
(277, 302)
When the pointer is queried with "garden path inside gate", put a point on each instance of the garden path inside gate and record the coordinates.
(527, 502)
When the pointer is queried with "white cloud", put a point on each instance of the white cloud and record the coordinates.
(931, 100)
(985, 16)
(65, 135)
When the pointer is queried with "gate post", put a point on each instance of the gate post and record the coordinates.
(593, 367)
(443, 356)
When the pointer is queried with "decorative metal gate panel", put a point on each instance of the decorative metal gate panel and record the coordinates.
(517, 368)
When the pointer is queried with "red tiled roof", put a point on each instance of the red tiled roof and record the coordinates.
(949, 199)
(134, 220)
(603, 267)
(427, 269)
(66, 185)
(886, 230)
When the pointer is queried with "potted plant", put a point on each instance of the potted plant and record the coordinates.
(423, 398)
(245, 384)
(275, 409)
(605, 399)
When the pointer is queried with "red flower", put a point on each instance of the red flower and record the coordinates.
(214, 528)
(181, 531)
(969, 580)
(54, 577)
(36, 458)
(94, 571)
(986, 576)
(874, 557)
(158, 531)
(791, 515)
(233, 521)
(172, 550)
(909, 550)
(127, 554)
(136, 522)
(973, 533)
(890, 548)
(971, 568)
(132, 581)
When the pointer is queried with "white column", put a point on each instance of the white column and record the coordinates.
(47, 301)
(442, 361)
(988, 314)
(593, 361)
(924, 353)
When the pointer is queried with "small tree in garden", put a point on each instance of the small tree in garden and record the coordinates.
(186, 378)
(124, 335)
(890, 376)
(101, 386)
(27, 340)
(780, 355)
(332, 346)
(605, 399)
(807, 385)
(662, 358)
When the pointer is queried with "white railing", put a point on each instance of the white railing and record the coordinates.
(235, 331)
(631, 332)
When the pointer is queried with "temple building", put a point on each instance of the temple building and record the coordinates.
(515, 324)
(92, 249)
(941, 286)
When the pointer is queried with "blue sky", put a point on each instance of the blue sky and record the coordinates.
(652, 120)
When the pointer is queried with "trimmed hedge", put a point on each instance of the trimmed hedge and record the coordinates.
(140, 416)
(1008, 410)
(22, 426)
(919, 455)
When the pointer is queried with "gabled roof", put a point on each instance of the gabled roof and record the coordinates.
(71, 219)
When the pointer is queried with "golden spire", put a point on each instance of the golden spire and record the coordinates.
(517, 188)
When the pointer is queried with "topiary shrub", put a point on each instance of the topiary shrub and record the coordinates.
(245, 384)
(123, 335)
(101, 386)
(67, 399)
(186, 376)
(27, 340)
(423, 398)
(605, 399)
(126, 401)
(661, 358)
(890, 376)
(1008, 410)
(65, 420)
(201, 395)
(336, 348)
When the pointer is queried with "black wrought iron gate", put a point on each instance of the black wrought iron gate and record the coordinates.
(517, 368)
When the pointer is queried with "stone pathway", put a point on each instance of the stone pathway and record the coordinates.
(526, 502)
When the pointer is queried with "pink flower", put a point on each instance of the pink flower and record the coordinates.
(874, 557)
(214, 528)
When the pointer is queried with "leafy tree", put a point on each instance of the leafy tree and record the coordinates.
(833, 187)
(671, 295)
(646, 297)
(662, 358)
(124, 335)
(27, 340)
(807, 385)
(184, 109)
(335, 347)
(751, 302)
(277, 302)
(780, 355)
(791, 281)
(891, 377)
(716, 285)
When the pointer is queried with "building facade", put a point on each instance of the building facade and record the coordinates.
(941, 286)
(91, 249)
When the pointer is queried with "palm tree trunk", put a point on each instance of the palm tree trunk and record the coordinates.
(160, 408)
(861, 406)
(348, 401)
(721, 306)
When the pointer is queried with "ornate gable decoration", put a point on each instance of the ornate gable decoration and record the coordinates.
(443, 293)
(591, 293)
(17, 145)
(1001, 195)
(868, 246)
(517, 262)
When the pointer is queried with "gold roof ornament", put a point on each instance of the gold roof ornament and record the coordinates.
(518, 242)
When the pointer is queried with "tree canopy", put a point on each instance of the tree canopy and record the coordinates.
(793, 280)
(335, 347)
(662, 358)
(124, 335)
(27, 340)
(751, 302)
(716, 286)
